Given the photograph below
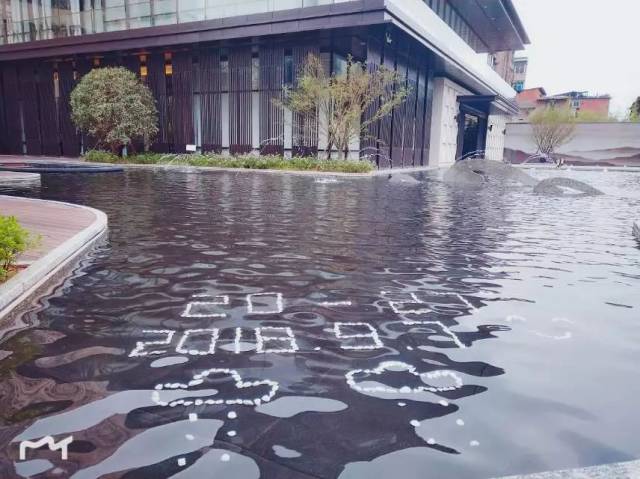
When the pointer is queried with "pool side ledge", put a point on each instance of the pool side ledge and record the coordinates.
(61, 249)
(620, 470)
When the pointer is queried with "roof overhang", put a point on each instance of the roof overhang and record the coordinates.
(454, 58)
(496, 22)
(488, 104)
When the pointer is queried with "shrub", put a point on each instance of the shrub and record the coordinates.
(14, 239)
(112, 106)
(99, 156)
(246, 162)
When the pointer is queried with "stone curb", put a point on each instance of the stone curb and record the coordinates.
(10, 178)
(621, 470)
(188, 168)
(38, 275)
(626, 169)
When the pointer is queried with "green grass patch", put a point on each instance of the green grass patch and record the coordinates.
(242, 162)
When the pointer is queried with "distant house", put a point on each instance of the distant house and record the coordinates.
(578, 101)
(528, 100)
(520, 66)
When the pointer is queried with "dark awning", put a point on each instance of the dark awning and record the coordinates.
(488, 104)
(496, 22)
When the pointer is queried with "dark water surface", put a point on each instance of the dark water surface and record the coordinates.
(410, 331)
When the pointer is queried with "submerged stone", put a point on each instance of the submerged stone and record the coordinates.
(403, 178)
(478, 172)
(555, 187)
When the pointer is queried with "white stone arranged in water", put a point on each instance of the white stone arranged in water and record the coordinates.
(445, 329)
(397, 306)
(372, 334)
(139, 350)
(423, 306)
(206, 309)
(214, 332)
(198, 379)
(330, 304)
(262, 340)
(251, 307)
(398, 366)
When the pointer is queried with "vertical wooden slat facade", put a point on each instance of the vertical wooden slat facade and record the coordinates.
(68, 133)
(48, 111)
(210, 100)
(240, 101)
(203, 77)
(182, 101)
(4, 136)
(271, 58)
(29, 97)
(11, 96)
(156, 81)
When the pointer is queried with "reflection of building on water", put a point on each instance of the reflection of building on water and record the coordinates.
(329, 269)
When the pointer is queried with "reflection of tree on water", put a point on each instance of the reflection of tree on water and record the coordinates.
(238, 234)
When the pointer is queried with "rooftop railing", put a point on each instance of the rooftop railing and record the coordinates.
(119, 15)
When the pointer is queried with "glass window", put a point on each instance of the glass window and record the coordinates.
(288, 67)
(255, 72)
(340, 64)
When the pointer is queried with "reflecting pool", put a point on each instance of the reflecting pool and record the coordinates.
(255, 325)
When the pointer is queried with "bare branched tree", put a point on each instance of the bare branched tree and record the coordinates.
(552, 127)
(339, 102)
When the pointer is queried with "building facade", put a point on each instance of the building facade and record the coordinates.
(519, 80)
(215, 67)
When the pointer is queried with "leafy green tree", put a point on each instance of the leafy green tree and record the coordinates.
(344, 104)
(114, 107)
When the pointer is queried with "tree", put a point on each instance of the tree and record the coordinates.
(114, 107)
(586, 116)
(344, 104)
(634, 110)
(552, 127)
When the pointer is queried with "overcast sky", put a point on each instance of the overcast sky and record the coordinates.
(589, 45)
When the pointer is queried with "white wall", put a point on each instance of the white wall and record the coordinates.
(615, 144)
(444, 126)
(494, 149)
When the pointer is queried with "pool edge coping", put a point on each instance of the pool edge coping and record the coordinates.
(188, 168)
(39, 274)
(619, 470)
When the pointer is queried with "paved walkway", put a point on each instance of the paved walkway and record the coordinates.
(66, 232)
(54, 222)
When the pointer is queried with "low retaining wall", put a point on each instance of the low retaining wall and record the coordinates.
(594, 144)
(55, 262)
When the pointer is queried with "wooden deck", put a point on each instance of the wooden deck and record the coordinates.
(55, 223)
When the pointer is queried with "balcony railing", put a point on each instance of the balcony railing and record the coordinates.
(47, 21)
